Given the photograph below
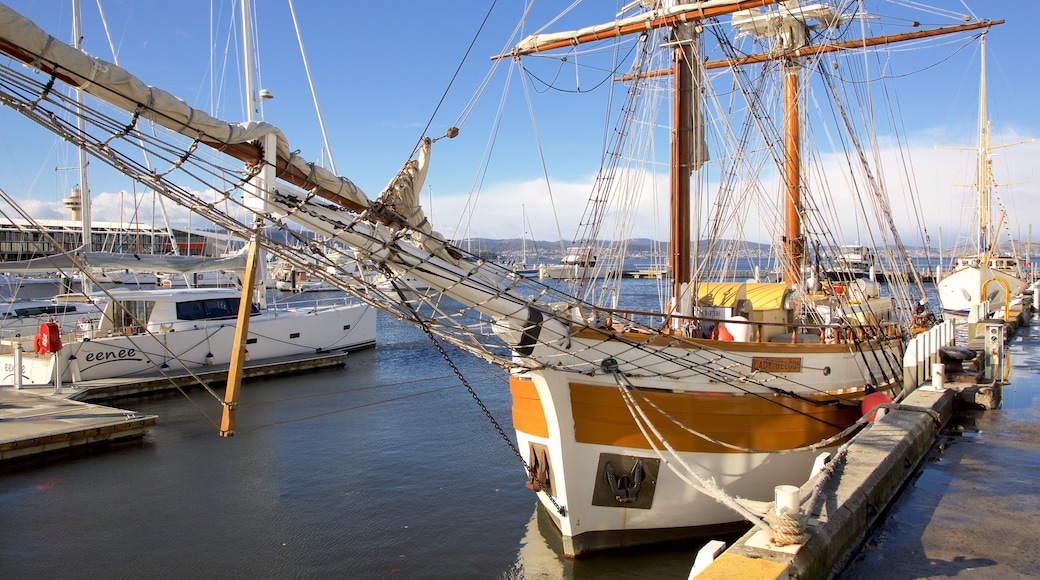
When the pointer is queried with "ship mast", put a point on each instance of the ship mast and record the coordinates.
(84, 185)
(682, 252)
(790, 28)
(982, 171)
(686, 146)
(253, 196)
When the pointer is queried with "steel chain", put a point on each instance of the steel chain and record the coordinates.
(487, 412)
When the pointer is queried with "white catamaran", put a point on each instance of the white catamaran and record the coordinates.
(633, 427)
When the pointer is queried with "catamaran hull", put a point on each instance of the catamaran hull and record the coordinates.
(274, 335)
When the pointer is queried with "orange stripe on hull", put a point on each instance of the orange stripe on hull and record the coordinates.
(528, 415)
(768, 422)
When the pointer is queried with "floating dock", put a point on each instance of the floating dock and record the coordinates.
(38, 420)
(32, 423)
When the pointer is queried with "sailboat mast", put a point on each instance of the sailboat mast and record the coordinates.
(84, 186)
(253, 257)
(982, 167)
(248, 58)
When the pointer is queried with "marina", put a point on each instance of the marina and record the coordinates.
(331, 482)
(753, 401)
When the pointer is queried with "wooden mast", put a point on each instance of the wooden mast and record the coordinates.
(794, 241)
(681, 165)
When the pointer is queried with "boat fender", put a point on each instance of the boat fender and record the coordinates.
(626, 487)
(871, 400)
(724, 334)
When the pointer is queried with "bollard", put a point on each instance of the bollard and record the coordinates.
(786, 499)
(18, 365)
(938, 376)
(57, 373)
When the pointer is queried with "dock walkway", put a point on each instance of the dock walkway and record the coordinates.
(882, 460)
(37, 420)
(32, 423)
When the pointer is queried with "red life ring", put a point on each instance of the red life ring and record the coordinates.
(48, 339)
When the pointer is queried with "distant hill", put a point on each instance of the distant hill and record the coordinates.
(511, 249)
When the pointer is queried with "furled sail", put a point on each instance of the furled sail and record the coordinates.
(141, 262)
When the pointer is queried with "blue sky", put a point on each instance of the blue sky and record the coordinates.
(380, 70)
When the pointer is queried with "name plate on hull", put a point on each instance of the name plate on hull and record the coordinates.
(776, 364)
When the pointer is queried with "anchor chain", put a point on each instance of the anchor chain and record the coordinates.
(487, 412)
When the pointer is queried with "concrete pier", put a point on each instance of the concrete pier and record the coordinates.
(877, 465)
(880, 462)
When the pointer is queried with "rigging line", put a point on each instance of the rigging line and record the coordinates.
(454, 76)
(485, 160)
(969, 42)
(314, 93)
(841, 434)
(609, 77)
(542, 161)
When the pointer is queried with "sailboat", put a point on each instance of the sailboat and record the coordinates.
(986, 275)
(632, 427)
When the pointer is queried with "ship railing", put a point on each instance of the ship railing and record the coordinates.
(313, 301)
(754, 330)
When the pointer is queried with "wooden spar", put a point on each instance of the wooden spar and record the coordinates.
(692, 14)
(238, 354)
(681, 168)
(818, 49)
(248, 153)
(793, 242)
(260, 183)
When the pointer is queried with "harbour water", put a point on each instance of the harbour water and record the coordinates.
(386, 468)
